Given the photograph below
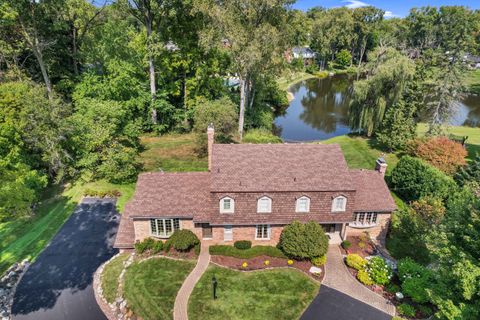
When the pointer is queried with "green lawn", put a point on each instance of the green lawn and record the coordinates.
(269, 294)
(473, 81)
(152, 285)
(110, 275)
(289, 78)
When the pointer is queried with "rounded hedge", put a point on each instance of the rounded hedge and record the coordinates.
(346, 244)
(364, 278)
(303, 241)
(243, 244)
(145, 245)
(182, 240)
(355, 261)
(319, 261)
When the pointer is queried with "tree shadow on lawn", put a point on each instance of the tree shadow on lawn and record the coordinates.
(69, 262)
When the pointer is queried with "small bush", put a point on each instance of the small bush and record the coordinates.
(415, 279)
(183, 240)
(406, 310)
(197, 249)
(260, 136)
(303, 241)
(379, 271)
(319, 261)
(230, 251)
(102, 194)
(392, 288)
(364, 278)
(243, 244)
(145, 245)
(362, 245)
(346, 244)
(157, 246)
(356, 262)
(424, 310)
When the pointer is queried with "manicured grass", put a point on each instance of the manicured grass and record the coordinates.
(289, 78)
(361, 152)
(152, 285)
(473, 142)
(171, 153)
(255, 251)
(110, 275)
(473, 81)
(268, 294)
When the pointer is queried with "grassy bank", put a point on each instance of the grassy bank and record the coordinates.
(110, 276)
(268, 294)
(473, 81)
(290, 78)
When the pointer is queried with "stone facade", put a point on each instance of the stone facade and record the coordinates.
(377, 232)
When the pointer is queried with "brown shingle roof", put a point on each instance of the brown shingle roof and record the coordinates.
(171, 194)
(279, 167)
(372, 192)
(125, 234)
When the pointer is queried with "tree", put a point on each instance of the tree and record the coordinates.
(252, 33)
(398, 126)
(388, 73)
(442, 153)
(469, 175)
(344, 58)
(303, 241)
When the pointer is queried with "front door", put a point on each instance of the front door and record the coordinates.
(206, 231)
(328, 228)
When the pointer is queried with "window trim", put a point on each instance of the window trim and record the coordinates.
(334, 202)
(232, 205)
(372, 217)
(174, 222)
(268, 232)
(269, 209)
(297, 205)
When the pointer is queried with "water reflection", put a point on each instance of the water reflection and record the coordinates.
(319, 110)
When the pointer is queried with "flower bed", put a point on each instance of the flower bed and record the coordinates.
(360, 245)
(265, 262)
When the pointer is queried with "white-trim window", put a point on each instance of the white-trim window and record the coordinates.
(366, 219)
(264, 205)
(303, 204)
(262, 232)
(164, 228)
(227, 205)
(339, 204)
(228, 233)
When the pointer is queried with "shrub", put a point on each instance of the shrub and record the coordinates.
(343, 58)
(364, 278)
(379, 271)
(197, 249)
(145, 245)
(290, 262)
(392, 288)
(245, 264)
(303, 241)
(356, 262)
(260, 136)
(266, 262)
(346, 244)
(312, 68)
(157, 246)
(183, 240)
(230, 251)
(415, 279)
(430, 210)
(319, 261)
(243, 244)
(442, 153)
(362, 245)
(406, 310)
(424, 310)
(413, 179)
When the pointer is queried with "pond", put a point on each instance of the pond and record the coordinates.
(319, 110)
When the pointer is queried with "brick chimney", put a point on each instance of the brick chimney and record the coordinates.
(381, 165)
(210, 136)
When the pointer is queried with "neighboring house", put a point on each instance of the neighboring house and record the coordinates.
(472, 61)
(305, 53)
(252, 191)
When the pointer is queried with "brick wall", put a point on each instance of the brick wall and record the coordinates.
(283, 208)
(378, 232)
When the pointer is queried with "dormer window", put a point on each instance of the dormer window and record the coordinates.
(303, 204)
(227, 205)
(339, 204)
(264, 205)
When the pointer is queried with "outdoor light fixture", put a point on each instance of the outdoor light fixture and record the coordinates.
(214, 287)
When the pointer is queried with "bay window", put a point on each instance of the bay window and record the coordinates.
(164, 228)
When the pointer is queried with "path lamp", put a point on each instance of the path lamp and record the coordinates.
(214, 287)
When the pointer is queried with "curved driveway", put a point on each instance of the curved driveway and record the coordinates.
(58, 285)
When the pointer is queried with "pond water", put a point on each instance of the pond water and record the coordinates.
(319, 110)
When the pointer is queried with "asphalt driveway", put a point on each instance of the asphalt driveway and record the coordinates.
(331, 304)
(58, 285)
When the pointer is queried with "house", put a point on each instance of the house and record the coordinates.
(472, 61)
(251, 191)
(305, 53)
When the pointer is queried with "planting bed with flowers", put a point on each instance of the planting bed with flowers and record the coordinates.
(405, 288)
(361, 245)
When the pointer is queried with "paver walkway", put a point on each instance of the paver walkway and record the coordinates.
(338, 277)
(180, 309)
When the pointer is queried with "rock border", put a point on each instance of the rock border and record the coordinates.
(8, 286)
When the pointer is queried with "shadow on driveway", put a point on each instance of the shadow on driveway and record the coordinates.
(58, 285)
(331, 304)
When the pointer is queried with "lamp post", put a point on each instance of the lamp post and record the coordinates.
(214, 287)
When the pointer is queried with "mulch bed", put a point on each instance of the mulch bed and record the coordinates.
(356, 247)
(188, 255)
(258, 263)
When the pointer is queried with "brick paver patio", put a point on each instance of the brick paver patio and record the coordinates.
(338, 277)
(180, 309)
